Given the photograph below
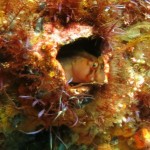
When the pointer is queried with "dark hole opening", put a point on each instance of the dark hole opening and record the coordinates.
(92, 45)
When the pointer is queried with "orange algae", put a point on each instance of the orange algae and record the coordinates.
(32, 81)
(142, 138)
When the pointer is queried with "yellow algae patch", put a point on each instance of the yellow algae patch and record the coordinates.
(52, 74)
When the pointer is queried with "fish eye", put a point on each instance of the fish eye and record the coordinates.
(102, 66)
(95, 65)
(101, 63)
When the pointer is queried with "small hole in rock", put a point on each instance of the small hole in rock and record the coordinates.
(81, 60)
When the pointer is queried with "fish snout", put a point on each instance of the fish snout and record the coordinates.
(99, 76)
